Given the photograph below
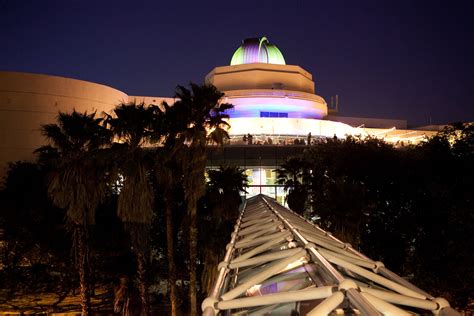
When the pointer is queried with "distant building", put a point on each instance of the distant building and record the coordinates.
(276, 110)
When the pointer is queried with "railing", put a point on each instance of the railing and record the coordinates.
(274, 92)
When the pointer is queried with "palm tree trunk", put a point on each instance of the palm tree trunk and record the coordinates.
(142, 284)
(193, 235)
(170, 251)
(82, 267)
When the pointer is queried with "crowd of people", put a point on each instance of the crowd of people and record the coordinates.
(250, 139)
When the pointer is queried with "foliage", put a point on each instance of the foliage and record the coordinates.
(77, 181)
(224, 187)
(219, 212)
(34, 241)
(132, 124)
(293, 174)
(202, 121)
(410, 207)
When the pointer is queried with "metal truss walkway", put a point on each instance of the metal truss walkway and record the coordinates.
(277, 263)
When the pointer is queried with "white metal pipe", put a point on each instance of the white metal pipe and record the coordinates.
(262, 248)
(358, 262)
(285, 277)
(400, 299)
(333, 248)
(255, 228)
(259, 240)
(263, 275)
(384, 307)
(361, 303)
(277, 298)
(328, 305)
(321, 237)
(265, 258)
(246, 274)
(355, 297)
(390, 275)
(326, 265)
(256, 221)
(258, 233)
(314, 253)
(394, 277)
(374, 277)
(254, 215)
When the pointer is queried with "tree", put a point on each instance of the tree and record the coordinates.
(77, 181)
(224, 187)
(442, 201)
(350, 179)
(292, 174)
(202, 124)
(222, 202)
(33, 237)
(166, 125)
(132, 124)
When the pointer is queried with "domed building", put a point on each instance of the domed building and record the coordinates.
(257, 50)
(271, 97)
(276, 112)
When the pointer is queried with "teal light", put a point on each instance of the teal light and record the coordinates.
(257, 50)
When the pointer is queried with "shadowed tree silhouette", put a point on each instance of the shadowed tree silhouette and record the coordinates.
(166, 125)
(222, 200)
(132, 123)
(292, 174)
(77, 181)
(201, 119)
(224, 187)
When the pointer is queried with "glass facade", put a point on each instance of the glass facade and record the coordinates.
(262, 180)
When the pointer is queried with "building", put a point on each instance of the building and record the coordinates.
(277, 112)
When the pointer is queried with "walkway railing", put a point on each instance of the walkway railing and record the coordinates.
(277, 262)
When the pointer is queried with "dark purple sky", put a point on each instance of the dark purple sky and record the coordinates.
(391, 59)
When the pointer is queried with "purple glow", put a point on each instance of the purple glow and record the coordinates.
(296, 108)
(257, 50)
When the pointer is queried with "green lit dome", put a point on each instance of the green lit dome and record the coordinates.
(257, 50)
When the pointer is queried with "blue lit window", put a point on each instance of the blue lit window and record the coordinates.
(273, 114)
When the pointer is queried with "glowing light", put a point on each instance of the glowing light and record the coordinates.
(291, 126)
(257, 50)
(254, 290)
(295, 264)
(252, 106)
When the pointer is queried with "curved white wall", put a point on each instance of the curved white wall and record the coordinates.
(293, 104)
(29, 100)
(261, 76)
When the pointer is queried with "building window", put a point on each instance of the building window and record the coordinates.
(273, 114)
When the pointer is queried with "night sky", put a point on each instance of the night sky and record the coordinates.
(389, 59)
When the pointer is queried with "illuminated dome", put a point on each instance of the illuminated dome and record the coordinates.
(257, 50)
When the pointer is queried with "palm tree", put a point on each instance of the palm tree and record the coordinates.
(132, 123)
(77, 181)
(202, 122)
(224, 187)
(167, 174)
(292, 174)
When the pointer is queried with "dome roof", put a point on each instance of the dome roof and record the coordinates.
(257, 50)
